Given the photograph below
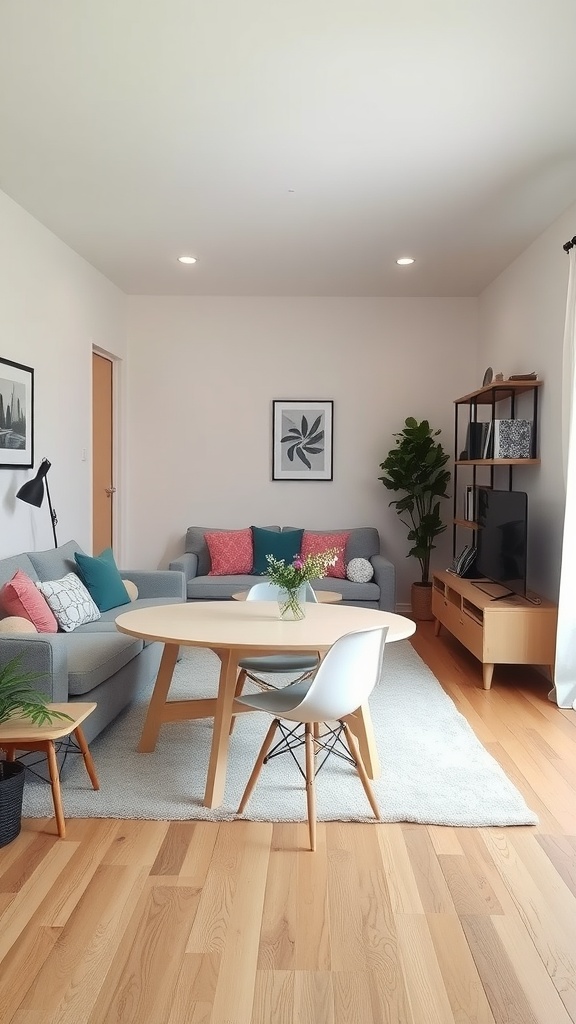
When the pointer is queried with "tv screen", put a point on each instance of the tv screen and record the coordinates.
(502, 518)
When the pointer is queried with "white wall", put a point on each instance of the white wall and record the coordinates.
(202, 376)
(53, 307)
(521, 328)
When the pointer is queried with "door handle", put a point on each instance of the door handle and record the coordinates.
(110, 491)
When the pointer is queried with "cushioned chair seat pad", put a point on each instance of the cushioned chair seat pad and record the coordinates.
(280, 663)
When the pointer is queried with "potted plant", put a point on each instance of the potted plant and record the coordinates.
(416, 466)
(18, 699)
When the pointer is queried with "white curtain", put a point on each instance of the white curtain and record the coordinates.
(564, 691)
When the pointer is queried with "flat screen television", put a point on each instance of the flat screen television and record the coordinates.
(501, 543)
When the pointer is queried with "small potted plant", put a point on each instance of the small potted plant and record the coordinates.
(18, 699)
(416, 466)
(291, 578)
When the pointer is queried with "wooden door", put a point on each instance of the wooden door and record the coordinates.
(102, 454)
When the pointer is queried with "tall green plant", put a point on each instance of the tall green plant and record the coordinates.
(416, 466)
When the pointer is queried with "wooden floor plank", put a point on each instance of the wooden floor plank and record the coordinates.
(238, 923)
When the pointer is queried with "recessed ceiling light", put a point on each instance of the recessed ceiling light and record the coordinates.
(187, 259)
(405, 261)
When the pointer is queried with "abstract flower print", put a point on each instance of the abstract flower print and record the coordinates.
(303, 438)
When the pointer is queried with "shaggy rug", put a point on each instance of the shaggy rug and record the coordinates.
(434, 769)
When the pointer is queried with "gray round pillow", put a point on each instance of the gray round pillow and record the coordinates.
(359, 570)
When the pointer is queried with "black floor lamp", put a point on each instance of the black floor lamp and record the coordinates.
(32, 492)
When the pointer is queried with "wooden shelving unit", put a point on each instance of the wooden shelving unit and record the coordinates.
(492, 396)
(509, 631)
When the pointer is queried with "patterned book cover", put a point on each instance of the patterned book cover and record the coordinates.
(512, 439)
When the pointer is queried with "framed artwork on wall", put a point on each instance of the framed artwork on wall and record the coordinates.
(16, 415)
(302, 433)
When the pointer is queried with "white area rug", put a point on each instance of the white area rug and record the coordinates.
(434, 769)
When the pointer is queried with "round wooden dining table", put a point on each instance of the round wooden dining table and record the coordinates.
(235, 630)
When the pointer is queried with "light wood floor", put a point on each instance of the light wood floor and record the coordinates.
(199, 923)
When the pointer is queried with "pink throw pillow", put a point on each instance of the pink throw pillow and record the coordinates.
(20, 596)
(231, 552)
(316, 543)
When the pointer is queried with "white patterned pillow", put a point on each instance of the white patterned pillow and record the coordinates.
(359, 570)
(70, 601)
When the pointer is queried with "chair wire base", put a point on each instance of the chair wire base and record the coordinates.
(293, 738)
(272, 686)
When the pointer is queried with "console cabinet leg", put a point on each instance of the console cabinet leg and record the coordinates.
(437, 627)
(487, 673)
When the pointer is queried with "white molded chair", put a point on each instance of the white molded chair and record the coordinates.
(342, 683)
(302, 665)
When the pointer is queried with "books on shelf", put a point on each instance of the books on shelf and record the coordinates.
(499, 439)
(469, 509)
(475, 439)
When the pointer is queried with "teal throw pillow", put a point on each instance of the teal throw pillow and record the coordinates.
(268, 542)
(102, 580)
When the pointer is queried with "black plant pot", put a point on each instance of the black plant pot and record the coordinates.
(11, 793)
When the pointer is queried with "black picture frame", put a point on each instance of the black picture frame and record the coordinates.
(16, 415)
(302, 439)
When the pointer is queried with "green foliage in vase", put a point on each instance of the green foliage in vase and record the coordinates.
(300, 570)
(416, 466)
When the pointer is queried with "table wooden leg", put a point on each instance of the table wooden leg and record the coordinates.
(55, 784)
(361, 725)
(81, 741)
(10, 753)
(154, 718)
(216, 779)
(240, 683)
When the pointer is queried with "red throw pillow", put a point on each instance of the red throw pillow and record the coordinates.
(316, 543)
(21, 597)
(231, 552)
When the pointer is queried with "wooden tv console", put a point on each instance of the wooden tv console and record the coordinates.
(510, 631)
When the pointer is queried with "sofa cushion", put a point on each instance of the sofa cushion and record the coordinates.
(283, 546)
(55, 563)
(8, 566)
(217, 588)
(230, 552)
(317, 543)
(17, 624)
(70, 601)
(196, 544)
(363, 542)
(350, 591)
(359, 570)
(93, 658)
(103, 581)
(19, 597)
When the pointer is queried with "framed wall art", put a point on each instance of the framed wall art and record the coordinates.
(16, 415)
(302, 433)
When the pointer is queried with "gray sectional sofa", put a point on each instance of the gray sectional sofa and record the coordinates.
(94, 662)
(364, 542)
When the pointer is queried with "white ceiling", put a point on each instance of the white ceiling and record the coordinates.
(138, 130)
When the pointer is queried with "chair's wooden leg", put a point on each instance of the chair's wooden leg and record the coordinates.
(258, 766)
(353, 746)
(310, 793)
(242, 677)
(90, 768)
(55, 784)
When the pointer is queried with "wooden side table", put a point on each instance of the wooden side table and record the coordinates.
(22, 734)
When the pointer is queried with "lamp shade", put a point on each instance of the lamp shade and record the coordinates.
(32, 492)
